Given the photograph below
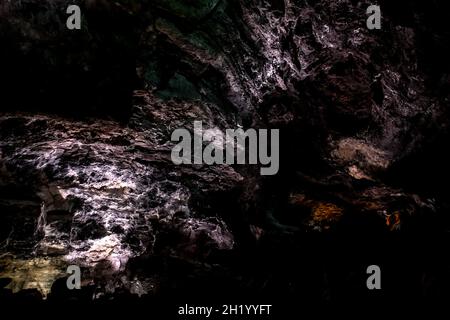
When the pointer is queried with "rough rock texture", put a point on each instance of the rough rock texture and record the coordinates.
(85, 170)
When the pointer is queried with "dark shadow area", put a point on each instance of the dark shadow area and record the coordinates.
(47, 68)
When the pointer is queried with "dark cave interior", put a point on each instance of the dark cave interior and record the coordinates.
(85, 124)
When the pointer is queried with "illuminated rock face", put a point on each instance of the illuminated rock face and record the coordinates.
(34, 273)
(86, 176)
(106, 202)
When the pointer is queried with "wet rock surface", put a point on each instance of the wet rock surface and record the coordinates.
(86, 176)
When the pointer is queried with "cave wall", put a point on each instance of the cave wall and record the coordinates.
(86, 119)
